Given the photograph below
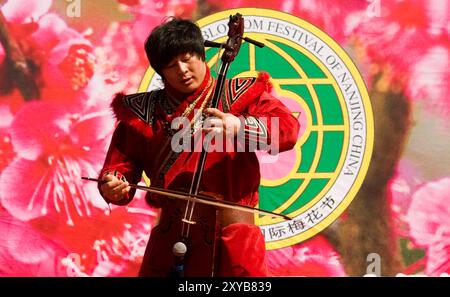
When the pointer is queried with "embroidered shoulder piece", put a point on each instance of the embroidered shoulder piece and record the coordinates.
(239, 92)
(136, 110)
(142, 104)
(237, 86)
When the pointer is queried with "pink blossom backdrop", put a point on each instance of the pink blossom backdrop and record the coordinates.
(58, 74)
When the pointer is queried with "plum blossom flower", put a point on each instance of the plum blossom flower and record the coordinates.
(107, 244)
(401, 28)
(120, 60)
(118, 249)
(432, 82)
(114, 249)
(408, 37)
(24, 251)
(429, 224)
(68, 60)
(60, 58)
(23, 11)
(331, 16)
(314, 257)
(55, 147)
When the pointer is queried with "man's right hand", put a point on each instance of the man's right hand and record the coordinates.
(114, 189)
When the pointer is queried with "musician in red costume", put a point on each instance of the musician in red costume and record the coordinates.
(224, 241)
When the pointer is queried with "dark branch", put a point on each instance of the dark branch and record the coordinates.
(17, 66)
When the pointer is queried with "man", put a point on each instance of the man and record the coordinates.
(220, 242)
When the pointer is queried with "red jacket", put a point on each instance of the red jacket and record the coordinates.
(141, 142)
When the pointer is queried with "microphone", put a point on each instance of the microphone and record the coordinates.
(179, 250)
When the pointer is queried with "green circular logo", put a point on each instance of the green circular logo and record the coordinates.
(314, 77)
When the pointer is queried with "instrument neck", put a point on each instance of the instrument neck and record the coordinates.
(195, 185)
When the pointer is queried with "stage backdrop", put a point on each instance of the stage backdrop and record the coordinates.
(368, 182)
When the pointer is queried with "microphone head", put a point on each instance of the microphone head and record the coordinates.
(179, 249)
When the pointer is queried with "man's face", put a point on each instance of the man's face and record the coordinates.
(185, 72)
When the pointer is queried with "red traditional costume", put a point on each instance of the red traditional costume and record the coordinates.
(142, 142)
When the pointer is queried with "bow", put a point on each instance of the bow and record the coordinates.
(199, 198)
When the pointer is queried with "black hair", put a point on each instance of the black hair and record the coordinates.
(170, 39)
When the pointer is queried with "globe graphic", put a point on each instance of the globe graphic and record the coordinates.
(296, 179)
